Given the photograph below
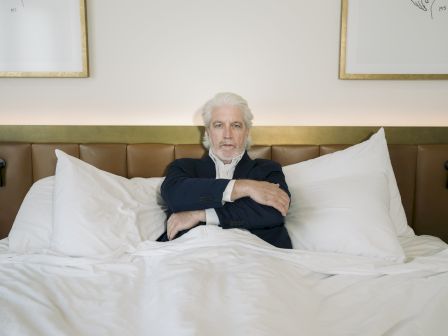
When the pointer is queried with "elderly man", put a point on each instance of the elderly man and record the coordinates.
(226, 187)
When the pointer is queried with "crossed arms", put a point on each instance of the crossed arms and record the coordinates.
(259, 201)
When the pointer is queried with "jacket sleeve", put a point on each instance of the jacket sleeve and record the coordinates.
(245, 213)
(182, 191)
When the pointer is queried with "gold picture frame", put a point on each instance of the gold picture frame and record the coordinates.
(43, 38)
(375, 44)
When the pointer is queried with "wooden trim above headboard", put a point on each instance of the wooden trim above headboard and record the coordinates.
(272, 135)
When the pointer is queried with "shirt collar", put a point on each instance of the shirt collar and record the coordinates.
(217, 160)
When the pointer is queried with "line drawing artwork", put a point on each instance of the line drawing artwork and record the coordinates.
(20, 5)
(425, 5)
(431, 6)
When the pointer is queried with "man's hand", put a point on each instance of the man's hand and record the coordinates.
(183, 221)
(262, 192)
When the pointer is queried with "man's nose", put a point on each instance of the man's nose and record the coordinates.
(227, 132)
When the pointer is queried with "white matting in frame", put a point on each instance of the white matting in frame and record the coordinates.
(394, 39)
(43, 38)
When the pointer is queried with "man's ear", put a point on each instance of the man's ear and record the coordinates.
(206, 139)
(248, 140)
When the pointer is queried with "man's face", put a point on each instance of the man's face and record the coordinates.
(227, 132)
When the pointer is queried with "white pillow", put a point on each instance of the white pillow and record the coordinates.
(368, 157)
(32, 226)
(97, 213)
(347, 214)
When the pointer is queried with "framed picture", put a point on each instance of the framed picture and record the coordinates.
(43, 38)
(384, 39)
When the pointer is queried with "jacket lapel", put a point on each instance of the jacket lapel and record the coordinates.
(206, 167)
(243, 167)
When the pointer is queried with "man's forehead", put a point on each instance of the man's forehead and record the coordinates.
(227, 113)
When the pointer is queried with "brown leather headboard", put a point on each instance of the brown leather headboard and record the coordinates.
(419, 169)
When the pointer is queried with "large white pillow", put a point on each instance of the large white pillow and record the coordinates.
(32, 226)
(368, 157)
(371, 155)
(347, 214)
(97, 213)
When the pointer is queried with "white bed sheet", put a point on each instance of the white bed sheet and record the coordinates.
(225, 282)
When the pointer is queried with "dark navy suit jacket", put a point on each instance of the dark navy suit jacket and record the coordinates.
(191, 184)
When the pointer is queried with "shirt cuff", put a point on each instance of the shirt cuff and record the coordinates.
(227, 194)
(211, 218)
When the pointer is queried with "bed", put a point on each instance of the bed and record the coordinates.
(369, 225)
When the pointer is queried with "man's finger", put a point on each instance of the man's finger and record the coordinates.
(172, 235)
(283, 209)
(283, 205)
(277, 204)
(169, 233)
(278, 200)
(173, 232)
(171, 228)
(283, 196)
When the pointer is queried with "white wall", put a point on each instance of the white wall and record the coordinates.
(155, 62)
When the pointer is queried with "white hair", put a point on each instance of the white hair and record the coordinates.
(226, 99)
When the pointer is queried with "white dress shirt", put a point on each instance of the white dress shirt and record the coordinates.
(223, 171)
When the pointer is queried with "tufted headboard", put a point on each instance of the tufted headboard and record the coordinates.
(419, 169)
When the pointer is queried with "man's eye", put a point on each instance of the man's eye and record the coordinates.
(237, 125)
(217, 125)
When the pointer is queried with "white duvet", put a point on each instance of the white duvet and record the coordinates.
(225, 282)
